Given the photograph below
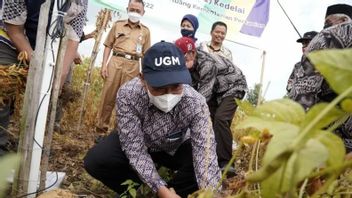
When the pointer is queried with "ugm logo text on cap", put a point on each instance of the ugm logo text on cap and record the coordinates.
(167, 61)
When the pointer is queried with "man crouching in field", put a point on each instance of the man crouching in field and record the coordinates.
(163, 120)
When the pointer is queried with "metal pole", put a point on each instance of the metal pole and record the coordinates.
(261, 79)
(293, 25)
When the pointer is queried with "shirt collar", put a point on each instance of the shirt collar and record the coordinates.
(127, 23)
(221, 48)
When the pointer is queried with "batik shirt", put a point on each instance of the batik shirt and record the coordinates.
(15, 12)
(296, 73)
(309, 87)
(143, 128)
(217, 77)
(224, 52)
(4, 38)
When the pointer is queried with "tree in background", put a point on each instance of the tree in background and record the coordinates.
(253, 94)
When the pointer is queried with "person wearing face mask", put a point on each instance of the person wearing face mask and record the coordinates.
(127, 41)
(297, 70)
(215, 46)
(220, 82)
(161, 120)
(189, 26)
(311, 88)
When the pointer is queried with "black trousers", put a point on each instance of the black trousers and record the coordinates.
(8, 56)
(5, 113)
(107, 162)
(222, 115)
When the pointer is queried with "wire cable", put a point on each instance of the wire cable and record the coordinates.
(293, 25)
(57, 30)
(57, 27)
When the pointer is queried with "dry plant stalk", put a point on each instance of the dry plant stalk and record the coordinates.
(13, 81)
(13, 78)
(103, 19)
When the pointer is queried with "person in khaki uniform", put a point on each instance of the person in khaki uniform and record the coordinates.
(128, 40)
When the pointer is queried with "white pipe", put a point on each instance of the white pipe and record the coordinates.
(34, 173)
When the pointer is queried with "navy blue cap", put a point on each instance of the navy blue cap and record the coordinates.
(164, 64)
(308, 36)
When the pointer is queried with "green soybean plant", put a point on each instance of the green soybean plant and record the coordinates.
(303, 144)
(131, 189)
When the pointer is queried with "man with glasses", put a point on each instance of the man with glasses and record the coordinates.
(160, 120)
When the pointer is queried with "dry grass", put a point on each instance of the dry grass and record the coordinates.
(70, 144)
(12, 81)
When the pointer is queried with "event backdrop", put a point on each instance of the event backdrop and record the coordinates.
(245, 16)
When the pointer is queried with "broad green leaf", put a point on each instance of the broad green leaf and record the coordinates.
(245, 106)
(330, 117)
(132, 192)
(274, 127)
(311, 156)
(335, 146)
(7, 163)
(284, 110)
(279, 143)
(346, 105)
(297, 168)
(336, 67)
(271, 187)
(127, 182)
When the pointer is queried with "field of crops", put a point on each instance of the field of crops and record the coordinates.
(282, 150)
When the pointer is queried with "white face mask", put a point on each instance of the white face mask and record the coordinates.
(134, 17)
(165, 102)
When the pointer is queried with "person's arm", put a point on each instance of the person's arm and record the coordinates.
(230, 55)
(88, 36)
(164, 192)
(146, 44)
(132, 139)
(291, 78)
(74, 29)
(14, 17)
(233, 82)
(19, 39)
(204, 148)
(207, 78)
(104, 68)
(77, 60)
(109, 44)
(70, 55)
